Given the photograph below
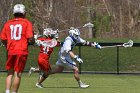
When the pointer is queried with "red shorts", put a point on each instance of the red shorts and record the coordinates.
(16, 62)
(43, 62)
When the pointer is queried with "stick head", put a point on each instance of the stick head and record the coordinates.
(50, 43)
(88, 25)
(85, 25)
(128, 44)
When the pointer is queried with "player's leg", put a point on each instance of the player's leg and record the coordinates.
(18, 68)
(9, 68)
(16, 82)
(41, 80)
(72, 65)
(44, 67)
(40, 75)
(59, 68)
(48, 72)
(33, 69)
(9, 80)
(76, 75)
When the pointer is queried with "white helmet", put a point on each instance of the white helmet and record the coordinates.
(19, 8)
(47, 32)
(75, 33)
(55, 34)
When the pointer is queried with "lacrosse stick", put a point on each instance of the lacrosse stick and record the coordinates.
(128, 44)
(50, 43)
(47, 43)
(85, 25)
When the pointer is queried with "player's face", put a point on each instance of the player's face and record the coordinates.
(76, 36)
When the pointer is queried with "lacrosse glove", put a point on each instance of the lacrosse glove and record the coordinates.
(78, 59)
(97, 45)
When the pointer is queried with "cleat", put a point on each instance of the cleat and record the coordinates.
(39, 85)
(31, 70)
(84, 86)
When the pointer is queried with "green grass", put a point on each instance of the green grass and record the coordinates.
(65, 83)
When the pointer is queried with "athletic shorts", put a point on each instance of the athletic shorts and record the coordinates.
(66, 62)
(43, 62)
(16, 62)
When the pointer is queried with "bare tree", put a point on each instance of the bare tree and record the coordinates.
(111, 18)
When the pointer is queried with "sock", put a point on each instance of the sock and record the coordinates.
(34, 69)
(7, 91)
(80, 82)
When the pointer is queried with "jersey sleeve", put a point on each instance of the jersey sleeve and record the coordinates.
(67, 45)
(80, 40)
(29, 30)
(3, 35)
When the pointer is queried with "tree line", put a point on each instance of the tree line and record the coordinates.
(111, 18)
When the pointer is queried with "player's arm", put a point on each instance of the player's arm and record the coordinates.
(87, 43)
(71, 54)
(67, 48)
(3, 36)
(92, 44)
(40, 42)
(75, 57)
(4, 42)
(31, 41)
(30, 33)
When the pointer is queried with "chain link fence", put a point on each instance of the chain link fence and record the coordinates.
(108, 60)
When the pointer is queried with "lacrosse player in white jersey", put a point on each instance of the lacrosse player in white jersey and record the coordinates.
(66, 55)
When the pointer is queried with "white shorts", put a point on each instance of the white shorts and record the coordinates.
(66, 62)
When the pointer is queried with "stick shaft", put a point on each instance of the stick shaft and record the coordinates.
(112, 46)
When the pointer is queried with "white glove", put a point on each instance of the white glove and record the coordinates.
(78, 59)
(35, 36)
(56, 36)
(38, 42)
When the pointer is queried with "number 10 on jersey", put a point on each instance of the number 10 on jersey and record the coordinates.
(16, 31)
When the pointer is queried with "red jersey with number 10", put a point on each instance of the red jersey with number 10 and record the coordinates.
(16, 32)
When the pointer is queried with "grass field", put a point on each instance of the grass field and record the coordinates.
(65, 83)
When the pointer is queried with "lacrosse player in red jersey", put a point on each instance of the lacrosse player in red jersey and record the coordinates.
(46, 44)
(16, 35)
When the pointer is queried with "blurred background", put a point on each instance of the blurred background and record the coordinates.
(114, 21)
(111, 18)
